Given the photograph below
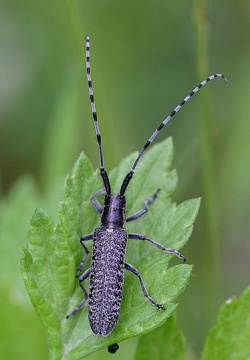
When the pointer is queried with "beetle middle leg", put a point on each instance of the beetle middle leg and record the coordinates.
(85, 258)
(134, 271)
(84, 276)
(159, 246)
(141, 212)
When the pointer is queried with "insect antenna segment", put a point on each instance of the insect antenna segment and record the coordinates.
(129, 176)
(104, 174)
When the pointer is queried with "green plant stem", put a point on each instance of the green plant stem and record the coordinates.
(210, 236)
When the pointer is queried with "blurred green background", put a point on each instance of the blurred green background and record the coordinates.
(145, 57)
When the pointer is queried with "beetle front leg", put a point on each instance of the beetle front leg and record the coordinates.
(141, 212)
(95, 202)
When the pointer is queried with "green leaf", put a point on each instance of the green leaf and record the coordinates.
(53, 254)
(161, 344)
(19, 324)
(229, 339)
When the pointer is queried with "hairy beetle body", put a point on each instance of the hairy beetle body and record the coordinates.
(110, 239)
(106, 279)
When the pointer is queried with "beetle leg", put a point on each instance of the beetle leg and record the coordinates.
(141, 212)
(132, 269)
(159, 246)
(83, 277)
(95, 202)
(84, 259)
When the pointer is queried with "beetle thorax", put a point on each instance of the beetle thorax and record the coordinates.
(113, 215)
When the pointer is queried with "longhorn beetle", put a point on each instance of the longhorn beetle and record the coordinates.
(110, 239)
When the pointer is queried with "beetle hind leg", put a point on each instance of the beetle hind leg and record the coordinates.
(132, 269)
(82, 303)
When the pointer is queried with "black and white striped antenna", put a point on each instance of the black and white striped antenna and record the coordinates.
(94, 113)
(129, 176)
